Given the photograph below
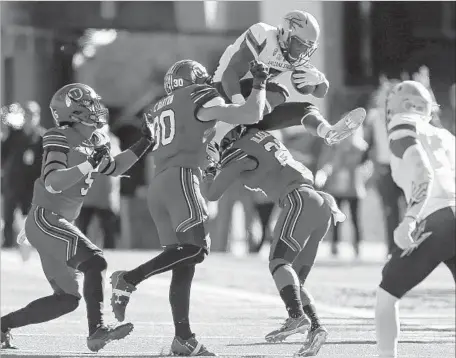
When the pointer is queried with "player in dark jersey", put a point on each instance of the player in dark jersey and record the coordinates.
(261, 162)
(74, 152)
(184, 121)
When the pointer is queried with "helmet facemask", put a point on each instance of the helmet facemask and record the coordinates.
(296, 50)
(89, 111)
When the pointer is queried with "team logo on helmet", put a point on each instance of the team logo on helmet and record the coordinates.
(293, 22)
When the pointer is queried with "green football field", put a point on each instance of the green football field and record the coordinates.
(234, 304)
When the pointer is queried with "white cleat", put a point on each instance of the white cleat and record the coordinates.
(314, 341)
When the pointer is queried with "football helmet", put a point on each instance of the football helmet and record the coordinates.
(298, 37)
(78, 103)
(185, 73)
(410, 97)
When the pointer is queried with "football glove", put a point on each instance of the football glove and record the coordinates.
(97, 155)
(418, 235)
(260, 73)
(346, 126)
(307, 76)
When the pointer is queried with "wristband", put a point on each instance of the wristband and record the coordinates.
(141, 146)
(85, 168)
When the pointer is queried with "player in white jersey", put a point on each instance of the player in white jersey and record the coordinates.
(423, 166)
(285, 48)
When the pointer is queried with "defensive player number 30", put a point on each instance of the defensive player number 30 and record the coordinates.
(165, 128)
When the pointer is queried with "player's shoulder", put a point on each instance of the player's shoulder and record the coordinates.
(204, 95)
(261, 30)
(56, 139)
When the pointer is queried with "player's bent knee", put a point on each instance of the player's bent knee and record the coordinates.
(384, 298)
(201, 256)
(274, 264)
(276, 94)
(96, 262)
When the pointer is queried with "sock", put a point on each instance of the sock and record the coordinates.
(291, 297)
(387, 324)
(93, 291)
(179, 298)
(41, 310)
(165, 261)
(311, 312)
(309, 308)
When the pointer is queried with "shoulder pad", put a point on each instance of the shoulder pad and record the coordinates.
(203, 94)
(256, 36)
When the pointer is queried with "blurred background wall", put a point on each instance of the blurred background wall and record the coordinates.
(123, 49)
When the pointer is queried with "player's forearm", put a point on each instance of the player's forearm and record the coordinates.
(212, 187)
(125, 160)
(416, 159)
(62, 179)
(321, 90)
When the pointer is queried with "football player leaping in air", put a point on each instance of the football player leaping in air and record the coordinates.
(286, 48)
(423, 166)
(75, 152)
(184, 120)
(260, 161)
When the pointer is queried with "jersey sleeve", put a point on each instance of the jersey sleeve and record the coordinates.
(55, 150)
(55, 140)
(402, 134)
(255, 38)
(237, 155)
(205, 96)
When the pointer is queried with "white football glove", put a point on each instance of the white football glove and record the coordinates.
(310, 76)
(403, 233)
(418, 236)
(320, 178)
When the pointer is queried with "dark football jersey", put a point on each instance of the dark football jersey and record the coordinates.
(77, 149)
(277, 172)
(179, 134)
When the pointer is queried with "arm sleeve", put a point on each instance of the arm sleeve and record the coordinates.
(55, 150)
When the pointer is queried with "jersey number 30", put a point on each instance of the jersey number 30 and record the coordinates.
(165, 128)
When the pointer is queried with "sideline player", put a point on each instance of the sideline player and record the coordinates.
(261, 162)
(73, 153)
(284, 49)
(423, 166)
(184, 120)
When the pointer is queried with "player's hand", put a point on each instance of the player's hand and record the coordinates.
(403, 233)
(148, 129)
(320, 178)
(260, 73)
(346, 126)
(97, 155)
(418, 236)
(307, 76)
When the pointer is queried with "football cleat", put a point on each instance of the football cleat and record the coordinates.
(106, 334)
(343, 129)
(189, 347)
(315, 339)
(289, 327)
(6, 340)
(121, 291)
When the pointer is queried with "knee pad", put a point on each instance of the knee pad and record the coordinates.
(71, 301)
(283, 274)
(274, 264)
(96, 262)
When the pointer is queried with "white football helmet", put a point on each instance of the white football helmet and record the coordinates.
(410, 97)
(298, 37)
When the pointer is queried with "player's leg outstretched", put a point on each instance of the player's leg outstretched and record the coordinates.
(401, 274)
(64, 252)
(179, 212)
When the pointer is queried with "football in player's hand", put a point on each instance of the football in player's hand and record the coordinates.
(306, 79)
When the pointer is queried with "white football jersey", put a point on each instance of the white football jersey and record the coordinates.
(439, 145)
(262, 41)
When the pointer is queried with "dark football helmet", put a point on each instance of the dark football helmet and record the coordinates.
(185, 73)
(78, 103)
